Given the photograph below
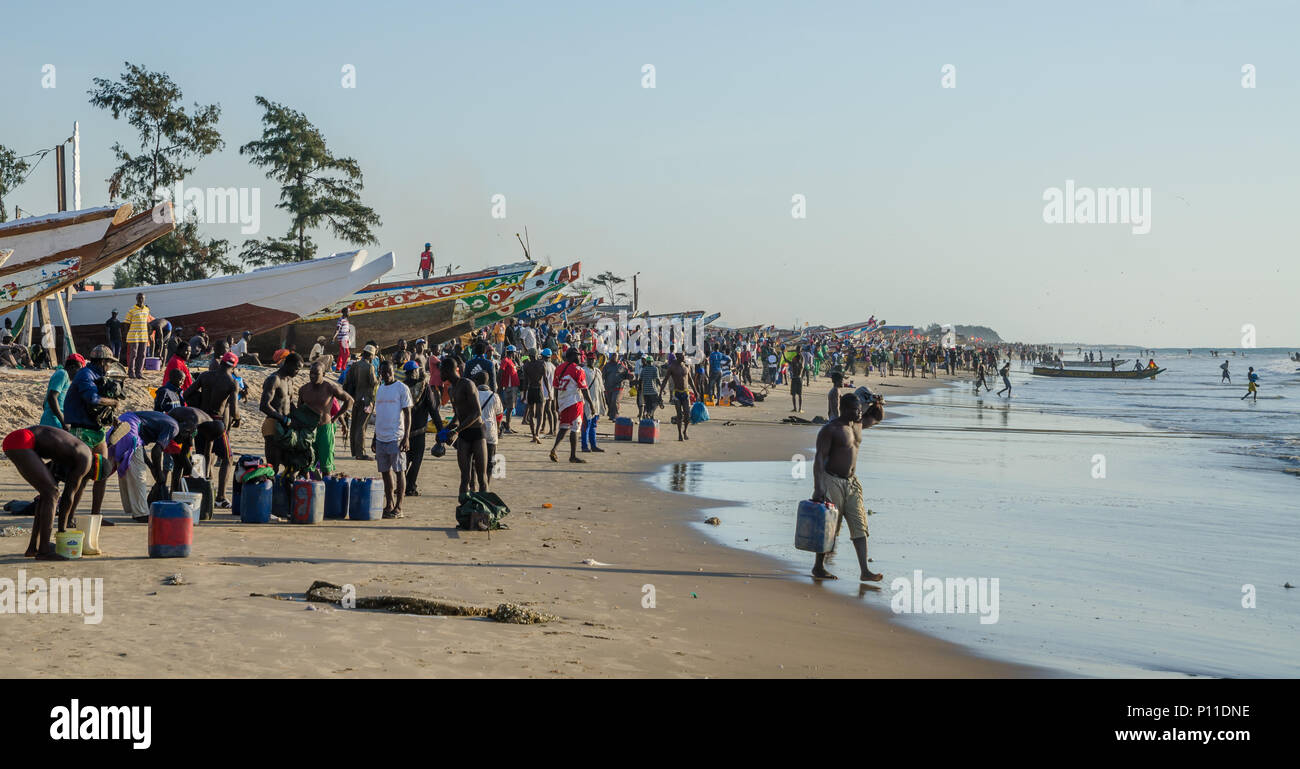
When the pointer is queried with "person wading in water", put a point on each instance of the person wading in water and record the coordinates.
(835, 479)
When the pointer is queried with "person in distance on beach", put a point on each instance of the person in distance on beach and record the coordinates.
(796, 381)
(676, 371)
(835, 479)
(1252, 385)
(468, 436)
(70, 461)
(1226, 376)
(833, 397)
(1005, 372)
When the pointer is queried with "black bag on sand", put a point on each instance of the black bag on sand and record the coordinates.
(481, 511)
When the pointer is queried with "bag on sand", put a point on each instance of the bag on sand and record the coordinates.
(481, 511)
(699, 413)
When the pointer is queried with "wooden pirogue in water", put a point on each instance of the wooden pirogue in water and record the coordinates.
(1145, 373)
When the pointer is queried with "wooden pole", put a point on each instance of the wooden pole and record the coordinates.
(69, 345)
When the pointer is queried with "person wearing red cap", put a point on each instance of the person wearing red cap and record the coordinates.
(57, 390)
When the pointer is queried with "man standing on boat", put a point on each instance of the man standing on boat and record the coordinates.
(137, 337)
(835, 479)
(426, 261)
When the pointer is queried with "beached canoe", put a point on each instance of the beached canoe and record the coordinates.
(1094, 363)
(1145, 373)
(259, 301)
(53, 252)
(407, 309)
(535, 290)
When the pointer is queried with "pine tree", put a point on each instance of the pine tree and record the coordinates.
(316, 188)
(172, 141)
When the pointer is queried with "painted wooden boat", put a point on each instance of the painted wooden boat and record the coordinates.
(385, 312)
(259, 301)
(1095, 363)
(53, 252)
(4, 255)
(1145, 373)
(529, 293)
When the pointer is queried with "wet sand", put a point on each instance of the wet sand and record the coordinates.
(718, 611)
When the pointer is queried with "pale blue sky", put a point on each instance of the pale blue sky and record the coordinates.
(924, 204)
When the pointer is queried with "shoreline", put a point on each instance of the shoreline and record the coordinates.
(213, 627)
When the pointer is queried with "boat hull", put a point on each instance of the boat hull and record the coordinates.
(383, 313)
(272, 298)
(1095, 363)
(42, 273)
(1145, 373)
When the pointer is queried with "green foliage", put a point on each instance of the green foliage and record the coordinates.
(607, 282)
(171, 141)
(13, 170)
(316, 188)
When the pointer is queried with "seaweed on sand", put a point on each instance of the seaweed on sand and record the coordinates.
(327, 592)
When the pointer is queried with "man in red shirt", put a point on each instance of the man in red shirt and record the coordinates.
(508, 385)
(178, 362)
(570, 393)
(426, 261)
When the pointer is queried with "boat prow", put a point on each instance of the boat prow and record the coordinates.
(259, 301)
(53, 252)
(1146, 373)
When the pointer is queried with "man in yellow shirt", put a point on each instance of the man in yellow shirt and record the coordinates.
(137, 337)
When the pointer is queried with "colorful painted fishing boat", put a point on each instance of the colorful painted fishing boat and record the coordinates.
(259, 301)
(1145, 373)
(535, 290)
(408, 309)
(53, 252)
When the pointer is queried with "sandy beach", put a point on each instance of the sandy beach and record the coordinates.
(717, 611)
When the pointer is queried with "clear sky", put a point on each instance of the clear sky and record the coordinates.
(924, 203)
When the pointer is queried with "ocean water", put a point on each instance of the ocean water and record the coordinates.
(1126, 521)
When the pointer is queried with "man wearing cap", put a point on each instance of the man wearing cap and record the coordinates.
(199, 343)
(82, 406)
(426, 261)
(70, 462)
(137, 337)
(361, 383)
(423, 408)
(57, 390)
(216, 392)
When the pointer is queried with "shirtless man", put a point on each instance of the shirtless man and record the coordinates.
(531, 376)
(276, 404)
(677, 372)
(217, 394)
(319, 395)
(468, 437)
(835, 479)
(71, 461)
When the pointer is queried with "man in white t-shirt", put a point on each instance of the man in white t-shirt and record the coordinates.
(548, 393)
(528, 340)
(392, 436)
(490, 406)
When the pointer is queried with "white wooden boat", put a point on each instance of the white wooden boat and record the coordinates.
(258, 301)
(52, 252)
